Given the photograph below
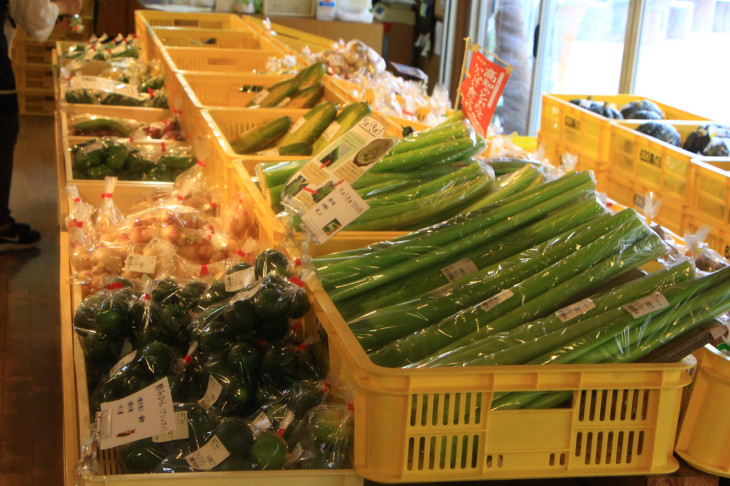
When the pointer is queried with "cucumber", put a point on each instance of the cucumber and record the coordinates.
(307, 97)
(101, 123)
(347, 119)
(273, 95)
(315, 121)
(311, 75)
(258, 138)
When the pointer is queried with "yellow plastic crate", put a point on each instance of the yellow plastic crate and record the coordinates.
(217, 60)
(436, 424)
(702, 438)
(222, 90)
(36, 102)
(32, 52)
(30, 76)
(663, 168)
(144, 115)
(289, 8)
(710, 190)
(111, 473)
(210, 38)
(582, 132)
(221, 21)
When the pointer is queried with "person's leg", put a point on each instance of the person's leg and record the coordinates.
(8, 137)
(13, 236)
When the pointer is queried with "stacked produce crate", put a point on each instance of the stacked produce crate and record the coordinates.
(410, 424)
(33, 64)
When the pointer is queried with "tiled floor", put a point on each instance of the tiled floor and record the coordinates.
(30, 377)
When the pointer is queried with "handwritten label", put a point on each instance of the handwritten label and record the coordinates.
(179, 432)
(140, 263)
(462, 268)
(297, 125)
(211, 393)
(283, 102)
(482, 89)
(647, 305)
(570, 312)
(240, 279)
(208, 456)
(331, 130)
(122, 362)
(138, 416)
(495, 300)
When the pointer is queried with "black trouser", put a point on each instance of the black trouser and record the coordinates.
(9, 127)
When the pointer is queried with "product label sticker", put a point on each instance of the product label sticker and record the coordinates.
(140, 263)
(495, 300)
(333, 213)
(297, 125)
(570, 312)
(163, 244)
(261, 422)
(272, 152)
(211, 393)
(283, 102)
(647, 305)
(443, 290)
(122, 362)
(208, 456)
(179, 432)
(118, 49)
(138, 416)
(457, 270)
(287, 420)
(240, 279)
(93, 147)
(330, 131)
(259, 97)
(295, 454)
(245, 295)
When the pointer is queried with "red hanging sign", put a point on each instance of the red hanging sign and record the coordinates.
(481, 90)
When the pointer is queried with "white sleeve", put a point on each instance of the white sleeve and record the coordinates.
(36, 17)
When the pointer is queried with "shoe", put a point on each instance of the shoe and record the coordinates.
(19, 226)
(18, 238)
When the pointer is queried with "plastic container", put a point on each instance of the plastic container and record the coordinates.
(31, 52)
(703, 431)
(436, 424)
(289, 8)
(76, 420)
(326, 9)
(36, 102)
(29, 76)
(710, 191)
(210, 38)
(217, 60)
(156, 18)
(574, 129)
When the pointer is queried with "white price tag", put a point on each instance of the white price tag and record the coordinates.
(238, 280)
(462, 268)
(570, 312)
(283, 102)
(495, 300)
(140, 263)
(335, 211)
(647, 305)
(122, 362)
(211, 393)
(258, 97)
(261, 422)
(208, 456)
(138, 416)
(297, 125)
(287, 420)
(272, 152)
(295, 454)
(118, 49)
(585, 104)
(330, 131)
(179, 432)
(93, 146)
(443, 290)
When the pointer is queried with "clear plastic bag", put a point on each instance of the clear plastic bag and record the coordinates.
(323, 438)
(109, 217)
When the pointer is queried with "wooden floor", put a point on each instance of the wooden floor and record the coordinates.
(30, 380)
(30, 377)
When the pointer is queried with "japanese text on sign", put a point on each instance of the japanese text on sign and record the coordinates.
(481, 90)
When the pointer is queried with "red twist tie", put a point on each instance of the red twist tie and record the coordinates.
(79, 224)
(204, 269)
(296, 326)
(131, 139)
(609, 204)
(179, 197)
(407, 113)
(350, 406)
(242, 254)
(93, 47)
(135, 36)
(108, 51)
(201, 163)
(302, 347)
(176, 112)
(163, 146)
(280, 432)
(68, 79)
(115, 285)
(77, 199)
(150, 92)
(165, 122)
(261, 343)
(106, 195)
(210, 235)
(214, 205)
(164, 86)
(188, 359)
(326, 387)
(298, 262)
(297, 281)
(146, 297)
